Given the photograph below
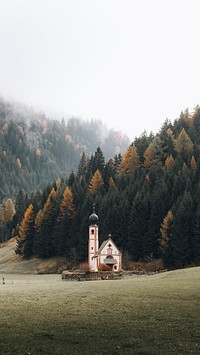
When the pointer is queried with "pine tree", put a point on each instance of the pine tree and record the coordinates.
(26, 234)
(138, 225)
(166, 237)
(9, 212)
(130, 161)
(182, 230)
(63, 235)
(184, 146)
(154, 153)
(193, 163)
(67, 205)
(45, 222)
(82, 167)
(169, 162)
(96, 182)
(112, 183)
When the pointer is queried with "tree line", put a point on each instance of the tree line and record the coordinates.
(148, 199)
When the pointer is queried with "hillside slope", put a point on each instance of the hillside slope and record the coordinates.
(35, 150)
(10, 263)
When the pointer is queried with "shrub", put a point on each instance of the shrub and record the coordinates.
(84, 266)
(103, 267)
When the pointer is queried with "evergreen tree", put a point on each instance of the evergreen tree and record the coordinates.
(138, 225)
(46, 219)
(182, 230)
(82, 167)
(63, 235)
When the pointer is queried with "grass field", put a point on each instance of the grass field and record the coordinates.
(159, 314)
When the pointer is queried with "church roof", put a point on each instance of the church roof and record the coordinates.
(101, 247)
(93, 219)
(104, 244)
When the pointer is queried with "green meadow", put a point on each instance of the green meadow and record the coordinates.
(159, 314)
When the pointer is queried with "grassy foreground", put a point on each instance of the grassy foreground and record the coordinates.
(157, 314)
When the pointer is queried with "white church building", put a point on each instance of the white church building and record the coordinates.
(107, 253)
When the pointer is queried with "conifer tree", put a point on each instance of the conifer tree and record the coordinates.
(112, 183)
(169, 162)
(130, 161)
(46, 219)
(25, 239)
(182, 230)
(184, 145)
(138, 225)
(96, 182)
(63, 235)
(166, 237)
(154, 153)
(193, 163)
(82, 167)
(9, 211)
(67, 205)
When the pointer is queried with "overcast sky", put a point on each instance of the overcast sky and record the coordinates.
(130, 63)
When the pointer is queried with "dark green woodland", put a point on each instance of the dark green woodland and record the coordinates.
(148, 198)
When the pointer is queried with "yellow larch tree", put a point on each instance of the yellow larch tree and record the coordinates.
(154, 153)
(193, 163)
(111, 183)
(26, 233)
(67, 205)
(166, 231)
(130, 161)
(96, 182)
(184, 145)
(169, 162)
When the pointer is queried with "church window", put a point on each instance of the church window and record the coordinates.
(92, 231)
(109, 251)
(91, 248)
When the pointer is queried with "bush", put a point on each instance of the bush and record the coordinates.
(84, 267)
(103, 267)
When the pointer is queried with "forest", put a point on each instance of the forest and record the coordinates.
(35, 149)
(148, 199)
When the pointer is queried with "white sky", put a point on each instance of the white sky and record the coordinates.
(130, 63)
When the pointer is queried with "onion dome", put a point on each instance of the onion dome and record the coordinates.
(93, 219)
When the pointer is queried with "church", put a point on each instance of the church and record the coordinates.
(107, 253)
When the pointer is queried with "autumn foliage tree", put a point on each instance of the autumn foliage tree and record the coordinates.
(26, 232)
(130, 161)
(166, 237)
(96, 182)
(184, 145)
(169, 162)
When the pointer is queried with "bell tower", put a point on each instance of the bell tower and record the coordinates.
(93, 242)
